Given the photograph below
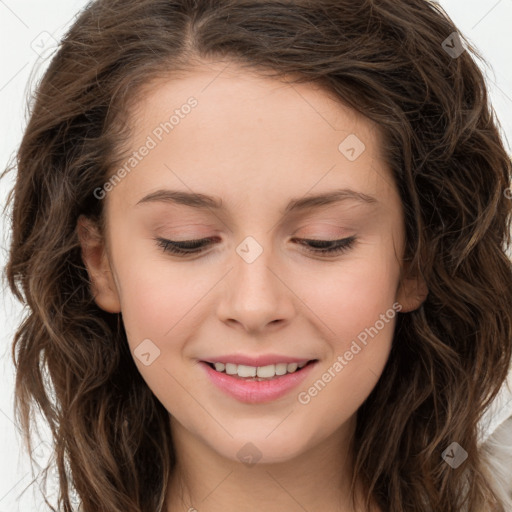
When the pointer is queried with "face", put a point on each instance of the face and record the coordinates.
(258, 283)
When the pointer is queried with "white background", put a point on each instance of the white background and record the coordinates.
(486, 23)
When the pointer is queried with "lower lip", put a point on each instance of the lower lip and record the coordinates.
(255, 392)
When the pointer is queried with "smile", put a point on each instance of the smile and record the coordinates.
(259, 372)
(250, 384)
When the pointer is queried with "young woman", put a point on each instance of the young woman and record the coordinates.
(263, 246)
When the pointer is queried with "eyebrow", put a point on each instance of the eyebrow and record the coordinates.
(202, 201)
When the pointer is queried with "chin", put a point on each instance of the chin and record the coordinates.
(261, 448)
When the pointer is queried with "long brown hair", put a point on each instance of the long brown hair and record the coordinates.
(397, 62)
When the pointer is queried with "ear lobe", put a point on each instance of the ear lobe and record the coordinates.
(412, 293)
(95, 258)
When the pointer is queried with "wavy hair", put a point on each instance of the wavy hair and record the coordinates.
(388, 60)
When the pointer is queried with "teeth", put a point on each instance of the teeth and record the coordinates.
(266, 371)
(246, 371)
(231, 368)
(281, 368)
(262, 372)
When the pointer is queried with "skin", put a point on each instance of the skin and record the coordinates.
(256, 143)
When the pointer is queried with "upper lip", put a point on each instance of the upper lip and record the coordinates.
(262, 360)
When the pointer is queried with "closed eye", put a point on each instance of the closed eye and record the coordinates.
(190, 247)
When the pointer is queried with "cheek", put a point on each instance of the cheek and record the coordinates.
(159, 315)
(355, 293)
(357, 308)
(145, 305)
(155, 294)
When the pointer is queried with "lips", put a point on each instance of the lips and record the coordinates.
(253, 390)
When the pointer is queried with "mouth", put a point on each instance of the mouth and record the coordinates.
(257, 384)
(269, 372)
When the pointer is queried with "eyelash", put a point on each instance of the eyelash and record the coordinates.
(189, 247)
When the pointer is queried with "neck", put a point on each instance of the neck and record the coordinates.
(316, 479)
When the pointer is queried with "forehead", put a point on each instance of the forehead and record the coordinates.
(250, 134)
(246, 96)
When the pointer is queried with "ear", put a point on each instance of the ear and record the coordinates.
(95, 258)
(412, 291)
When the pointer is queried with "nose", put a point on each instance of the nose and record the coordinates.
(255, 296)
